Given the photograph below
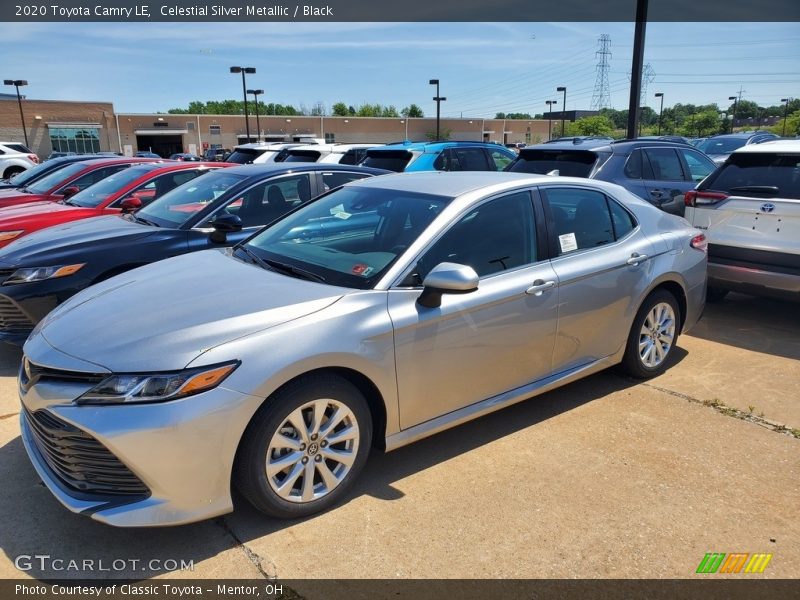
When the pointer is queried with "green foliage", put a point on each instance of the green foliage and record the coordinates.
(339, 110)
(233, 107)
(443, 137)
(599, 125)
(413, 111)
(792, 125)
(512, 116)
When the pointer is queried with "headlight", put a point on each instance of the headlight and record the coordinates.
(158, 387)
(41, 273)
(9, 235)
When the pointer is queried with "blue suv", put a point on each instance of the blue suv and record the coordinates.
(657, 171)
(439, 156)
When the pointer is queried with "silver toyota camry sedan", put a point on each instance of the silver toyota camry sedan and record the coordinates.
(381, 313)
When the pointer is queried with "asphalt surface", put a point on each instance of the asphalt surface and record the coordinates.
(606, 477)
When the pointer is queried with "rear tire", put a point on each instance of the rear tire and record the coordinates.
(653, 336)
(11, 171)
(714, 294)
(304, 448)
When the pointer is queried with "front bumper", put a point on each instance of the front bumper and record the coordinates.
(181, 451)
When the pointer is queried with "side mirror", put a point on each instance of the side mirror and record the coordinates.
(130, 204)
(70, 191)
(447, 278)
(223, 225)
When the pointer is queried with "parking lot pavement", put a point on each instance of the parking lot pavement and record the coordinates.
(606, 477)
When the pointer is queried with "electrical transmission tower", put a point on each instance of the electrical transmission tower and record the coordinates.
(601, 97)
(648, 76)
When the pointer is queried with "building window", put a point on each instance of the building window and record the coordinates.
(74, 139)
(330, 138)
(214, 130)
(189, 125)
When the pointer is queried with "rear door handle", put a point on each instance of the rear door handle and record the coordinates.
(540, 286)
(656, 193)
(636, 259)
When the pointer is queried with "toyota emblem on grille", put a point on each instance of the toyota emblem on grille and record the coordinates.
(767, 207)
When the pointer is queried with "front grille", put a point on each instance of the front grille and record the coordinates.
(78, 460)
(30, 374)
(12, 319)
(5, 274)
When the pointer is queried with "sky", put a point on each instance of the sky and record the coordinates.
(484, 68)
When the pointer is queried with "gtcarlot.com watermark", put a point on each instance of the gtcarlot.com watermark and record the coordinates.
(46, 562)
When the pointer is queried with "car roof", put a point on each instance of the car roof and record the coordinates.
(617, 146)
(741, 134)
(166, 167)
(770, 146)
(452, 184)
(268, 145)
(268, 169)
(333, 148)
(432, 146)
(99, 162)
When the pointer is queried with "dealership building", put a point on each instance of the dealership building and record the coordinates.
(61, 126)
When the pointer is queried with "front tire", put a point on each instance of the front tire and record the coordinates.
(653, 336)
(305, 447)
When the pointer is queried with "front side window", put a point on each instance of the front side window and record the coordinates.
(51, 181)
(155, 188)
(496, 236)
(664, 164)
(95, 194)
(268, 200)
(84, 181)
(351, 236)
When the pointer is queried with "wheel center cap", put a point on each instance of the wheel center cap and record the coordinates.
(313, 449)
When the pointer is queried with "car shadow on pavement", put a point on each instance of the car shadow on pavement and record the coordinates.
(36, 524)
(752, 323)
(10, 356)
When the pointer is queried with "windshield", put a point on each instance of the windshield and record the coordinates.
(758, 174)
(391, 160)
(303, 156)
(34, 173)
(93, 195)
(721, 145)
(245, 156)
(351, 236)
(56, 178)
(569, 163)
(177, 206)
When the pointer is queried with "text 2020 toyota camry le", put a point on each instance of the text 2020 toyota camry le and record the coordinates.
(275, 366)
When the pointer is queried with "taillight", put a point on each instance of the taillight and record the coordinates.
(701, 198)
(33, 158)
(699, 242)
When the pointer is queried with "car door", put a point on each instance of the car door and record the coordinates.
(603, 264)
(493, 340)
(256, 206)
(664, 179)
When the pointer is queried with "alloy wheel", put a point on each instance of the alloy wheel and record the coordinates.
(657, 335)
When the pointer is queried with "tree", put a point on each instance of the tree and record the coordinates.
(413, 111)
(598, 125)
(443, 136)
(792, 125)
(318, 110)
(339, 109)
(389, 111)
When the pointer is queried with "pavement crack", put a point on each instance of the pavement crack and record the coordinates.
(730, 411)
(251, 555)
(8, 416)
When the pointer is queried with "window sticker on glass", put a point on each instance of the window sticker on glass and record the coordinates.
(568, 242)
(339, 212)
(362, 269)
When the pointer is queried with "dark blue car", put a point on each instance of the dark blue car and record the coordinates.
(218, 209)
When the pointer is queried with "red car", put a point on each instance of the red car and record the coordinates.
(126, 190)
(70, 180)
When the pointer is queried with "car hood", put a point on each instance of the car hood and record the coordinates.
(10, 194)
(162, 316)
(76, 238)
(19, 215)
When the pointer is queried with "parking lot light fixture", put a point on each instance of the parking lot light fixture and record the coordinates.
(563, 107)
(550, 118)
(243, 71)
(256, 94)
(733, 114)
(785, 112)
(439, 99)
(660, 110)
(17, 83)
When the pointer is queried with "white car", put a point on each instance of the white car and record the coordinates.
(260, 152)
(339, 154)
(750, 210)
(15, 158)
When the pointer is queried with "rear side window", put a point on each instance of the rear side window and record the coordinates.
(758, 175)
(664, 164)
(19, 148)
(633, 166)
(571, 163)
(699, 166)
(391, 160)
(339, 178)
(244, 156)
(500, 160)
(585, 219)
(461, 159)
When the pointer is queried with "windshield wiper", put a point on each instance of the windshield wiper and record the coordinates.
(139, 219)
(756, 189)
(274, 265)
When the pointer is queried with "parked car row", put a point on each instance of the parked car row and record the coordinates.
(264, 325)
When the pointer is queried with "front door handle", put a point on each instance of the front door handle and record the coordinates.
(636, 259)
(656, 193)
(539, 286)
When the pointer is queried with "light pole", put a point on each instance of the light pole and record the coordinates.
(563, 107)
(256, 94)
(439, 99)
(550, 118)
(785, 112)
(733, 117)
(17, 83)
(244, 70)
(660, 110)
